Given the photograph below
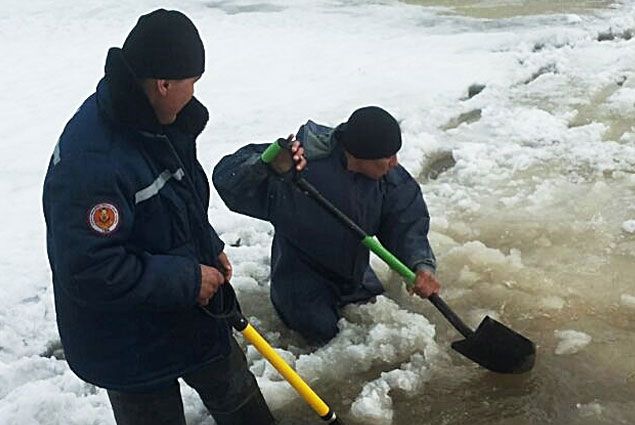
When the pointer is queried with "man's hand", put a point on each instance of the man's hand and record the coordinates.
(211, 280)
(285, 159)
(226, 266)
(426, 284)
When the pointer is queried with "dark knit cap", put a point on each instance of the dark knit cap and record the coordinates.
(165, 44)
(370, 133)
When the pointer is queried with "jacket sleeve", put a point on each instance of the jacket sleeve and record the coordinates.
(245, 183)
(104, 270)
(405, 222)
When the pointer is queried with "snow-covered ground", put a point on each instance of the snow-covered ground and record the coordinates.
(532, 221)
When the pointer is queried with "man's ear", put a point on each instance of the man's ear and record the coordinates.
(162, 87)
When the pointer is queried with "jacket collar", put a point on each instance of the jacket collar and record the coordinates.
(122, 99)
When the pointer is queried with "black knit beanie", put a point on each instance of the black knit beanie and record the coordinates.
(370, 133)
(165, 44)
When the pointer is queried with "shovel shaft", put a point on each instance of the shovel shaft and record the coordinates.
(374, 245)
(450, 315)
(290, 375)
(312, 192)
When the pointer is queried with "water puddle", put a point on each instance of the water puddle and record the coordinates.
(500, 9)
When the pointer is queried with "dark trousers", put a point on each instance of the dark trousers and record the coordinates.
(226, 387)
(312, 307)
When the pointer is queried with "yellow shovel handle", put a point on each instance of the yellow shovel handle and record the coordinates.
(289, 374)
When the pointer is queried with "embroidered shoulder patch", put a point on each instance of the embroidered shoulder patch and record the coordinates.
(104, 218)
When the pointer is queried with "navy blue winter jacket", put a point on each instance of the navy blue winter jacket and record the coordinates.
(305, 234)
(125, 202)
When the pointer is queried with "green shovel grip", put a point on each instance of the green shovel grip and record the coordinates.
(374, 245)
(271, 152)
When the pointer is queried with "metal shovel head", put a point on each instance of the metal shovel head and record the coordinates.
(498, 348)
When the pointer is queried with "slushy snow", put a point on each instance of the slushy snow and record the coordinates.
(570, 341)
(629, 226)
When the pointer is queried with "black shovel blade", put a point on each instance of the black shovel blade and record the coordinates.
(498, 348)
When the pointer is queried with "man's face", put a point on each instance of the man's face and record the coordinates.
(376, 168)
(170, 97)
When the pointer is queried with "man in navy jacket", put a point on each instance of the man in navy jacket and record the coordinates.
(317, 264)
(133, 255)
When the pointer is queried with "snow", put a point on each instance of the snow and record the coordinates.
(571, 341)
(627, 300)
(374, 404)
(552, 303)
(589, 409)
(629, 226)
(378, 332)
(273, 65)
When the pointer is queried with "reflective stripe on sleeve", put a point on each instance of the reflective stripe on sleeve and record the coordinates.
(154, 188)
(56, 153)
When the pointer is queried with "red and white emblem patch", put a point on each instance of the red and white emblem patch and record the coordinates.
(104, 218)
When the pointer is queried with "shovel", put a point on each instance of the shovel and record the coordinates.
(493, 345)
(230, 311)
